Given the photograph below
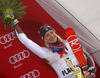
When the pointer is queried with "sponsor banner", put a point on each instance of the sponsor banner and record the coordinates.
(18, 57)
(18, 62)
(7, 40)
(33, 70)
(32, 74)
(7, 37)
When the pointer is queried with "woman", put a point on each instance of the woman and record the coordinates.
(55, 52)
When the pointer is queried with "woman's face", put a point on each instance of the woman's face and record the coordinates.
(50, 36)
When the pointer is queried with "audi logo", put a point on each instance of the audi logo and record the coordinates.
(33, 74)
(7, 37)
(18, 57)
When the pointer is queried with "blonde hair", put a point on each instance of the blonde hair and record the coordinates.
(59, 39)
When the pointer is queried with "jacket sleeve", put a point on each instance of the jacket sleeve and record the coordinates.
(35, 48)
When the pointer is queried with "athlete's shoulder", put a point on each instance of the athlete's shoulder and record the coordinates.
(45, 49)
(66, 41)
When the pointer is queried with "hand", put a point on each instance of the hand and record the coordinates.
(15, 20)
(90, 72)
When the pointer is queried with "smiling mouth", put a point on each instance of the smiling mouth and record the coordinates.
(52, 39)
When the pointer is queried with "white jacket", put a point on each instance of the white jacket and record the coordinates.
(58, 64)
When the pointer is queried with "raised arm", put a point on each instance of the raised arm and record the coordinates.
(35, 48)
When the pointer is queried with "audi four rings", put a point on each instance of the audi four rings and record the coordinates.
(18, 57)
(7, 37)
(33, 74)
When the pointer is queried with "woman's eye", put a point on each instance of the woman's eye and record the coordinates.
(51, 32)
(47, 35)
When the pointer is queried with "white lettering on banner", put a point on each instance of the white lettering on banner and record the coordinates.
(33, 74)
(7, 37)
(20, 64)
(18, 57)
(74, 43)
(8, 46)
